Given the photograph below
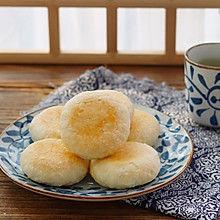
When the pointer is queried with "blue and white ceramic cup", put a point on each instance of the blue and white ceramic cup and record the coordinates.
(202, 83)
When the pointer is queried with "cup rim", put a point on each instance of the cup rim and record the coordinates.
(196, 63)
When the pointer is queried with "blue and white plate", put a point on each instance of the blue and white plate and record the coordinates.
(174, 146)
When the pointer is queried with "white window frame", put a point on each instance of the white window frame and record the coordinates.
(111, 56)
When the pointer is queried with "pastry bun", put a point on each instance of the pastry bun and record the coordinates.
(46, 124)
(144, 128)
(48, 161)
(131, 165)
(94, 124)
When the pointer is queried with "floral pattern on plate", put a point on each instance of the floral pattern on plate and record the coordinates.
(174, 147)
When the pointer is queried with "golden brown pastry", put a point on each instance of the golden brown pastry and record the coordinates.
(131, 165)
(48, 161)
(94, 124)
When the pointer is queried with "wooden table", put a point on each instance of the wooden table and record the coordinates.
(22, 87)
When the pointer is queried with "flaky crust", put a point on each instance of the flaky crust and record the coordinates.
(94, 124)
(131, 165)
(48, 161)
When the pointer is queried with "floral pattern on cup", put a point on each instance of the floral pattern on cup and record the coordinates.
(206, 98)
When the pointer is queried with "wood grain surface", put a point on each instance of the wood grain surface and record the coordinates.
(24, 86)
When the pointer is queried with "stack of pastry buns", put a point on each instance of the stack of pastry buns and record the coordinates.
(98, 132)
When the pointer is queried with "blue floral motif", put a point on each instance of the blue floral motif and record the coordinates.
(210, 95)
(217, 78)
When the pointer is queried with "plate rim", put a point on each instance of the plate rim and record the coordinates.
(95, 198)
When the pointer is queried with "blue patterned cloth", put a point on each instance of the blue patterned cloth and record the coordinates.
(196, 193)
